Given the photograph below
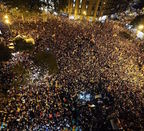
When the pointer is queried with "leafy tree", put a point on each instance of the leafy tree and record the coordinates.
(23, 43)
(62, 4)
(35, 4)
(5, 53)
(24, 4)
(59, 4)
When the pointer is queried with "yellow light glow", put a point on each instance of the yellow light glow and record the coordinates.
(130, 14)
(6, 16)
(84, 13)
(7, 21)
(11, 47)
(140, 27)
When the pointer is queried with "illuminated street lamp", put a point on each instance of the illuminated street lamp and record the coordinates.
(84, 13)
(7, 21)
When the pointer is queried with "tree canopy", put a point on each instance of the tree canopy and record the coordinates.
(23, 43)
(24, 4)
(35, 4)
(5, 53)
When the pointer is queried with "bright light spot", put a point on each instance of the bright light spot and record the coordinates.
(7, 21)
(84, 13)
(55, 13)
(30, 40)
(140, 27)
(45, 9)
(129, 26)
(6, 16)
(48, 49)
(140, 35)
(103, 18)
(92, 106)
(11, 44)
(85, 96)
(16, 54)
(0, 32)
(11, 47)
(71, 17)
(130, 14)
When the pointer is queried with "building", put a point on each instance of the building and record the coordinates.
(95, 8)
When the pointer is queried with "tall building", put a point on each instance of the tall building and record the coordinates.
(95, 8)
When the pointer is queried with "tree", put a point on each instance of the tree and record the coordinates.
(24, 4)
(62, 4)
(5, 53)
(22, 43)
(35, 4)
(59, 4)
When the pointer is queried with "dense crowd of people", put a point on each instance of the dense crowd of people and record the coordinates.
(100, 79)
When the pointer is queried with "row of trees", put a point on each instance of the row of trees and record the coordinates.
(35, 4)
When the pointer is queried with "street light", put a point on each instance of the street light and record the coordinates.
(7, 21)
(84, 13)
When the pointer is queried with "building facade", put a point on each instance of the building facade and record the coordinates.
(95, 8)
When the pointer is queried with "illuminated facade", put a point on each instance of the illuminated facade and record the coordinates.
(94, 8)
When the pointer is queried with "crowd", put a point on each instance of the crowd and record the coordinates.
(92, 58)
